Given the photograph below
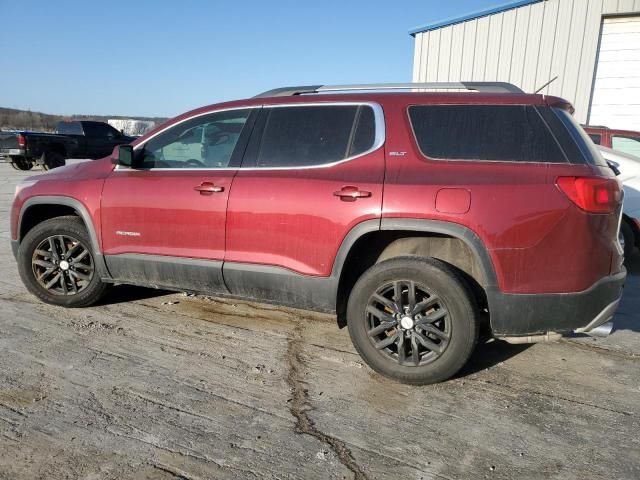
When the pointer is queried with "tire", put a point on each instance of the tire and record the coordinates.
(70, 232)
(52, 160)
(627, 238)
(21, 164)
(442, 291)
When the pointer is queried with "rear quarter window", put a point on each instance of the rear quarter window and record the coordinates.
(506, 133)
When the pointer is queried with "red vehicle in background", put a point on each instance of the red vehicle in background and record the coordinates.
(626, 141)
(417, 218)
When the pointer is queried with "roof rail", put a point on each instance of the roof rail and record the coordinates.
(487, 87)
(288, 91)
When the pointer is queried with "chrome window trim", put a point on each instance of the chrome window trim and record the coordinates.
(378, 140)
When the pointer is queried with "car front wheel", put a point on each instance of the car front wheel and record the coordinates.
(57, 264)
(413, 319)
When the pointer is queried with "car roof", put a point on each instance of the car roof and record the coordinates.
(384, 98)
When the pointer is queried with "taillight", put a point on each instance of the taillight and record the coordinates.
(592, 194)
(21, 140)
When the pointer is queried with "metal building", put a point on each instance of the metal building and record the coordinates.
(592, 46)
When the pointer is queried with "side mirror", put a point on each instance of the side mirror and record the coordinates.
(615, 166)
(125, 155)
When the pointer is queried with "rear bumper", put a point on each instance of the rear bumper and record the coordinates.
(12, 152)
(516, 315)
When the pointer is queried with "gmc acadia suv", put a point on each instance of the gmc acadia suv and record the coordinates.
(417, 218)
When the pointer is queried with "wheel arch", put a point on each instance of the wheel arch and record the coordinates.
(38, 209)
(373, 241)
(57, 148)
(41, 208)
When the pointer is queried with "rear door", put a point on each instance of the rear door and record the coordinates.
(163, 223)
(311, 173)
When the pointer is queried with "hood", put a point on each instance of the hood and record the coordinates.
(78, 171)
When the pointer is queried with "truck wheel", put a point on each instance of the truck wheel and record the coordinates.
(413, 319)
(20, 163)
(56, 263)
(627, 239)
(51, 160)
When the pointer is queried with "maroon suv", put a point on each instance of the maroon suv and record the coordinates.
(417, 218)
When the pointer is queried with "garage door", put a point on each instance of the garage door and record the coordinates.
(616, 93)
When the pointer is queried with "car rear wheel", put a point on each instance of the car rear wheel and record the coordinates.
(21, 163)
(57, 264)
(413, 319)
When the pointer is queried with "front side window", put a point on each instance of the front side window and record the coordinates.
(302, 136)
(202, 142)
(630, 145)
(508, 133)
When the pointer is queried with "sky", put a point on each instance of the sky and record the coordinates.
(161, 58)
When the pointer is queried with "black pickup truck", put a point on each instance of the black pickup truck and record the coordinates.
(73, 139)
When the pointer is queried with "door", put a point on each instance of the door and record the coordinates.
(163, 223)
(311, 173)
(616, 95)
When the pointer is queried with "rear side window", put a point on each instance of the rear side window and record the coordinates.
(508, 133)
(314, 135)
(69, 128)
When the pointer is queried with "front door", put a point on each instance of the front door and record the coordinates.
(310, 174)
(163, 222)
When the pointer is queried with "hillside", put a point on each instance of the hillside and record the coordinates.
(11, 119)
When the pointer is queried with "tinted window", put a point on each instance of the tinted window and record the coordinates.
(595, 138)
(314, 135)
(69, 128)
(513, 133)
(98, 130)
(625, 144)
(580, 138)
(203, 142)
(365, 131)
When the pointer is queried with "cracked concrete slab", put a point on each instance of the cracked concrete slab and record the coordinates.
(156, 385)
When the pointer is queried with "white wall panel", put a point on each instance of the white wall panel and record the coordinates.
(547, 41)
(616, 95)
(480, 57)
(468, 50)
(506, 43)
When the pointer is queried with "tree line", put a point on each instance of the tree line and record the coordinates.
(14, 119)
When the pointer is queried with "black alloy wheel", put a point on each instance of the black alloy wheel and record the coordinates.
(62, 265)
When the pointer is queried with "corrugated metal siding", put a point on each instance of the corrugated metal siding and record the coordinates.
(526, 46)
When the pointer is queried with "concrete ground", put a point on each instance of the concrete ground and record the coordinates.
(153, 385)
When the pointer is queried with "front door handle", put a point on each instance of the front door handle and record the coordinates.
(351, 193)
(207, 188)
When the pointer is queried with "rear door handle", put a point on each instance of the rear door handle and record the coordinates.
(207, 188)
(351, 193)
